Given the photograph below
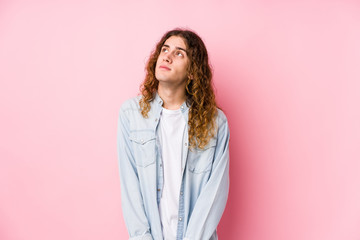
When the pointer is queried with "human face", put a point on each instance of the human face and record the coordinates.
(172, 63)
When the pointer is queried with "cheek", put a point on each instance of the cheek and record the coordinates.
(184, 69)
(156, 64)
(157, 61)
(156, 73)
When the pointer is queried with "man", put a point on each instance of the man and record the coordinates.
(173, 146)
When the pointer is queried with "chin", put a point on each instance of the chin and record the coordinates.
(161, 78)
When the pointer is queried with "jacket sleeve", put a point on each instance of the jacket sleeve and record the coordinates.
(211, 202)
(131, 198)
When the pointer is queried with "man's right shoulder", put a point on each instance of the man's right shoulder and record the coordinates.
(131, 104)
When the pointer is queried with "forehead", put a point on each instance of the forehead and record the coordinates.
(175, 41)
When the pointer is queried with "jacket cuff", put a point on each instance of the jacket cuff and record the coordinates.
(146, 236)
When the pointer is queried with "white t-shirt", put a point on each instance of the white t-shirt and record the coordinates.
(171, 132)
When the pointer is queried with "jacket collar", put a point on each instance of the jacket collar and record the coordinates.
(159, 103)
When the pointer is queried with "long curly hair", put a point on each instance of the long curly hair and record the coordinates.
(199, 88)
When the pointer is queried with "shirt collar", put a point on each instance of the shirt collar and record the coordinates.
(159, 102)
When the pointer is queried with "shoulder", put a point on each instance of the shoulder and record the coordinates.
(221, 117)
(131, 104)
(222, 125)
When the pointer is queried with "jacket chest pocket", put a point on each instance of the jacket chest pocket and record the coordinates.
(200, 160)
(144, 147)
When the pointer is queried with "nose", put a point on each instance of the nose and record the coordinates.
(167, 57)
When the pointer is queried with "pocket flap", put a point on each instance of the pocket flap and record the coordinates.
(210, 144)
(141, 137)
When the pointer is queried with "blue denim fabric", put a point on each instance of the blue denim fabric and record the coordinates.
(205, 182)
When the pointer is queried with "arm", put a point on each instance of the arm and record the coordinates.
(211, 202)
(131, 198)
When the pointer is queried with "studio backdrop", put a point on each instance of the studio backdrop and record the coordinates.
(286, 74)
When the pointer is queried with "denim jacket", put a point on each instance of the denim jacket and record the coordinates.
(205, 179)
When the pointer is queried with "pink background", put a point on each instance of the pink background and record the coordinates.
(287, 75)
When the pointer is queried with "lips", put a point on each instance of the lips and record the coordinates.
(164, 67)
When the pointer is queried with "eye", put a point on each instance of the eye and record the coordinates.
(179, 53)
(164, 49)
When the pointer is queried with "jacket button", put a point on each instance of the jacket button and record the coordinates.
(180, 219)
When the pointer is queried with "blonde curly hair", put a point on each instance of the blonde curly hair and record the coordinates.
(199, 89)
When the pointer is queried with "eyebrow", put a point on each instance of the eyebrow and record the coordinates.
(165, 45)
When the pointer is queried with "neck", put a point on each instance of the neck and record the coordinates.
(173, 97)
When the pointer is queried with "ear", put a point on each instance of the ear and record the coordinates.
(191, 76)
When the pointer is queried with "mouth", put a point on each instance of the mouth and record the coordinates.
(164, 67)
